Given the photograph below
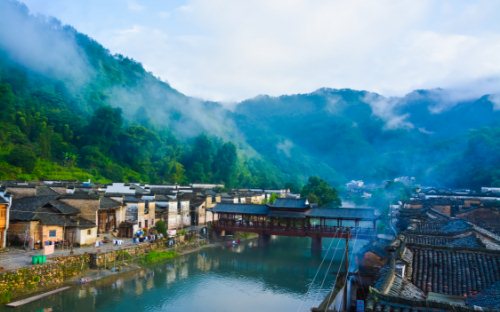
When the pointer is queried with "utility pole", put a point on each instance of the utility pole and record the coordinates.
(346, 269)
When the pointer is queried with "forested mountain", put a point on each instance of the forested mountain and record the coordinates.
(71, 109)
(356, 134)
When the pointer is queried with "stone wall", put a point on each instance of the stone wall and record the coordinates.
(41, 277)
(108, 259)
(36, 278)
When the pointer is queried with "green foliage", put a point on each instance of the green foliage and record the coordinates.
(158, 256)
(320, 192)
(161, 227)
(271, 199)
(23, 157)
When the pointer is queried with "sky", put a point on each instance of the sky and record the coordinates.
(232, 50)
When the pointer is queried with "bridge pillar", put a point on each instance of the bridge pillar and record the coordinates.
(264, 239)
(316, 245)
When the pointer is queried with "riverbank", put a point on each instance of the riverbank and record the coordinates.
(73, 269)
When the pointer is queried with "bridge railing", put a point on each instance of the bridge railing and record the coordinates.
(276, 228)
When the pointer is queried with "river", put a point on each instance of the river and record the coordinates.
(247, 277)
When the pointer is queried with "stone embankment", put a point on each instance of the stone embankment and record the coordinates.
(59, 270)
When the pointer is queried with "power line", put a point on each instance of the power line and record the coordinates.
(330, 264)
(317, 272)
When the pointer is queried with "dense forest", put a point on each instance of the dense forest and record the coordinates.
(72, 110)
(42, 136)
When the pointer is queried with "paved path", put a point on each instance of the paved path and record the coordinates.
(15, 258)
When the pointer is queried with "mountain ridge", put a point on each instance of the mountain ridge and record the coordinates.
(339, 134)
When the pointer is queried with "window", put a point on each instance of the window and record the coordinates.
(146, 224)
(89, 232)
(52, 233)
(140, 225)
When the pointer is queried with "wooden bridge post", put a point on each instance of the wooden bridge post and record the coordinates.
(264, 239)
(316, 244)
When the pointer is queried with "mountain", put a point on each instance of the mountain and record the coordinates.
(71, 109)
(346, 134)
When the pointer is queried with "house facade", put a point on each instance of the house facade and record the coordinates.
(5, 203)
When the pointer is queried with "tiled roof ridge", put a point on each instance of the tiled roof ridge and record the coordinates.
(454, 248)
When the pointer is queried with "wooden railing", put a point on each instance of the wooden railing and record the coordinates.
(293, 230)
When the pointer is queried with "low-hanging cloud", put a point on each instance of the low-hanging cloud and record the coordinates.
(232, 50)
(41, 44)
(385, 108)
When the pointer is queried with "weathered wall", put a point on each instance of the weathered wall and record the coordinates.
(18, 230)
(88, 207)
(35, 278)
(45, 231)
(83, 237)
(20, 192)
(40, 277)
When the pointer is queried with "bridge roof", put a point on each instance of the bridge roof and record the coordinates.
(287, 214)
(343, 213)
(250, 209)
(290, 203)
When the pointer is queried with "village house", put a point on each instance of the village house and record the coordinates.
(139, 214)
(440, 262)
(111, 214)
(5, 204)
(37, 220)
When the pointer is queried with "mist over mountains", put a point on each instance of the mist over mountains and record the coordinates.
(62, 75)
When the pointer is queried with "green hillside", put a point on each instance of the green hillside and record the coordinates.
(72, 110)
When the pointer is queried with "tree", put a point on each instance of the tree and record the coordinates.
(224, 165)
(104, 127)
(161, 227)
(23, 157)
(319, 191)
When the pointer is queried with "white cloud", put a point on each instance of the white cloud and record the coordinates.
(285, 147)
(495, 99)
(385, 109)
(231, 50)
(135, 7)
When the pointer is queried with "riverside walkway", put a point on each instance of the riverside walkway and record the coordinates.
(15, 258)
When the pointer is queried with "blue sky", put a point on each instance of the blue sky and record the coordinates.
(232, 50)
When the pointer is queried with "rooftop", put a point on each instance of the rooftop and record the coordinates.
(453, 271)
(290, 203)
(469, 240)
(250, 209)
(343, 213)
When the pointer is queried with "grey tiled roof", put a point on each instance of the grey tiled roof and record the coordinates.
(343, 213)
(290, 203)
(286, 214)
(23, 209)
(107, 203)
(250, 209)
(449, 227)
(468, 241)
(488, 297)
(454, 272)
(64, 208)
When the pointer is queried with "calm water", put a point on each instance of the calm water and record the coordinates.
(249, 277)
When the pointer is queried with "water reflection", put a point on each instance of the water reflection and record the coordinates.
(247, 277)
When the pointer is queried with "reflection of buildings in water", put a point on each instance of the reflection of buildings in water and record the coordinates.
(150, 282)
(139, 289)
(184, 271)
(118, 284)
(202, 263)
(93, 291)
(171, 275)
(215, 264)
(82, 292)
